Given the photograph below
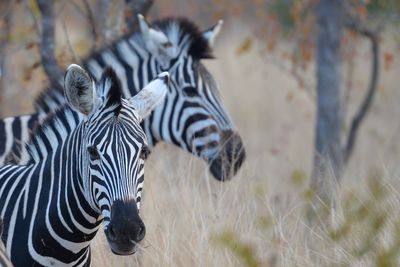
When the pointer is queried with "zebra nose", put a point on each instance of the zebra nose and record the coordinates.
(230, 158)
(133, 232)
(125, 224)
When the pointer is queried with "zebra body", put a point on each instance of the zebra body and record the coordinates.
(192, 117)
(86, 168)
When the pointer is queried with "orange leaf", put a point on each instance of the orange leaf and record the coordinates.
(245, 46)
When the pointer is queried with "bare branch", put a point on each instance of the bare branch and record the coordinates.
(135, 7)
(34, 19)
(47, 44)
(69, 45)
(92, 23)
(4, 38)
(78, 8)
(373, 36)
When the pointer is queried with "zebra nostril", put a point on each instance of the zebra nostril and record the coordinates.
(111, 233)
(141, 233)
(164, 77)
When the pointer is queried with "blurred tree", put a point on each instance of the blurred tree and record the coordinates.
(301, 19)
(328, 156)
(330, 153)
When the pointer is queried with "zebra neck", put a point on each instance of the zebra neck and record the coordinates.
(69, 223)
(69, 181)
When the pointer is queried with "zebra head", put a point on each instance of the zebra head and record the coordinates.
(197, 120)
(114, 148)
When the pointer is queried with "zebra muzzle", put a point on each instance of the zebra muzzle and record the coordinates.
(230, 158)
(126, 229)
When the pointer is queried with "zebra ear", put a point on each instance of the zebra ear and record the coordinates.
(79, 89)
(150, 96)
(156, 41)
(213, 32)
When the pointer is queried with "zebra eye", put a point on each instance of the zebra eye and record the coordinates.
(167, 44)
(144, 153)
(190, 91)
(93, 153)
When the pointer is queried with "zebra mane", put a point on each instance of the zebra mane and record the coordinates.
(114, 93)
(54, 128)
(199, 47)
(50, 99)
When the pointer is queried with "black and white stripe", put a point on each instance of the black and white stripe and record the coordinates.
(14, 132)
(192, 117)
(86, 167)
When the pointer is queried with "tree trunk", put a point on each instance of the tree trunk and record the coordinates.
(328, 155)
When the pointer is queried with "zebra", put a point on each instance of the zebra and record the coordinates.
(192, 117)
(87, 167)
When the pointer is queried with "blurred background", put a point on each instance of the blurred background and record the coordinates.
(300, 79)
